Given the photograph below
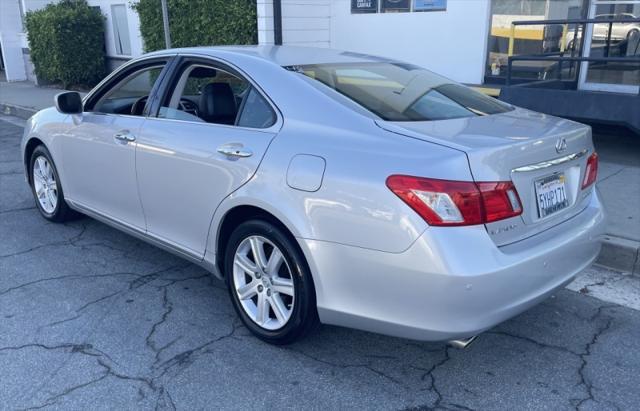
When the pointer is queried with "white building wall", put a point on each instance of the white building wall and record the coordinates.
(265, 21)
(15, 42)
(11, 40)
(306, 22)
(134, 27)
(452, 42)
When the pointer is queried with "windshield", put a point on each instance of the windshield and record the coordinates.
(402, 92)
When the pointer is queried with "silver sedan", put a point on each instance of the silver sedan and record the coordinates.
(328, 186)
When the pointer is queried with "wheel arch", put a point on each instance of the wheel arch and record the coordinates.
(29, 147)
(239, 214)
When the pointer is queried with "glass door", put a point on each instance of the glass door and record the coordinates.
(620, 39)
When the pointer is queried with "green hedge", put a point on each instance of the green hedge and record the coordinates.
(198, 22)
(66, 42)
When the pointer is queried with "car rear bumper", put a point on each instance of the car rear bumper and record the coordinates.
(453, 282)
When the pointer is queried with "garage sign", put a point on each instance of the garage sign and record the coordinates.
(364, 6)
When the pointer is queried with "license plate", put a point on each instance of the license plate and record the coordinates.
(551, 194)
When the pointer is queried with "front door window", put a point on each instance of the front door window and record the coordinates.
(130, 95)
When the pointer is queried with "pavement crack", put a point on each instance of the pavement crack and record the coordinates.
(366, 366)
(63, 277)
(612, 175)
(69, 241)
(16, 210)
(54, 399)
(533, 341)
(432, 378)
(150, 277)
(110, 371)
(184, 359)
(583, 380)
(149, 340)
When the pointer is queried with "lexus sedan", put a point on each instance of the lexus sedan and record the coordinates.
(328, 187)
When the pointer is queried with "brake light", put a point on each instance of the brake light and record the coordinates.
(591, 173)
(457, 203)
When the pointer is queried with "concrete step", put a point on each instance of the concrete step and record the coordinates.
(16, 111)
(620, 254)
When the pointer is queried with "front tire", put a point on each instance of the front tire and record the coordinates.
(46, 187)
(270, 283)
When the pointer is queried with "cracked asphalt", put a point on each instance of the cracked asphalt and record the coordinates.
(91, 318)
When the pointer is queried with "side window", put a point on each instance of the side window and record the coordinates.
(205, 94)
(256, 112)
(129, 96)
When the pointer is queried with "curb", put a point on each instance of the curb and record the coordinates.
(620, 254)
(17, 111)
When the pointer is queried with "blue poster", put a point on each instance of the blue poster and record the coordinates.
(429, 5)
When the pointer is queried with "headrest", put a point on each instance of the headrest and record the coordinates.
(218, 104)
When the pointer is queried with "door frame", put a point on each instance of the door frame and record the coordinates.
(123, 72)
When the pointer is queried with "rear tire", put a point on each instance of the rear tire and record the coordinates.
(269, 282)
(47, 188)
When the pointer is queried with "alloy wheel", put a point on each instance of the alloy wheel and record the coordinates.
(45, 185)
(263, 282)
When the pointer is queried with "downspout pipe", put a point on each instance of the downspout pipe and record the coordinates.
(277, 22)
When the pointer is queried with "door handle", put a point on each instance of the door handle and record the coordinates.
(235, 150)
(124, 137)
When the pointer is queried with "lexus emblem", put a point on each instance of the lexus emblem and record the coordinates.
(561, 145)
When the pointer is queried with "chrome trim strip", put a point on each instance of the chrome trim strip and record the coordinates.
(551, 163)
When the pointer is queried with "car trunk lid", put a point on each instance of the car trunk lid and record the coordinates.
(539, 153)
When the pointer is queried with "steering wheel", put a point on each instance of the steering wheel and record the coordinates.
(138, 106)
(188, 106)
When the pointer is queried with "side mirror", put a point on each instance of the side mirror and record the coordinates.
(69, 102)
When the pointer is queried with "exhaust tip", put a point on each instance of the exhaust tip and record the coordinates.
(462, 343)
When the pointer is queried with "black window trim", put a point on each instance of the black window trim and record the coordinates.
(164, 89)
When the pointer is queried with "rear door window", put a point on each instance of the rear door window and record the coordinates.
(211, 94)
(256, 112)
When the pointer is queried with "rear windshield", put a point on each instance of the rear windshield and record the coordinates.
(402, 92)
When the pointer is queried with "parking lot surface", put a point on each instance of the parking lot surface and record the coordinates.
(91, 318)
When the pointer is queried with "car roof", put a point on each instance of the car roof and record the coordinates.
(280, 55)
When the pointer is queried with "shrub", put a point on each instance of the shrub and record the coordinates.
(198, 22)
(66, 41)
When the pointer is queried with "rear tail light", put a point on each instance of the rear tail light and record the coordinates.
(456, 203)
(591, 173)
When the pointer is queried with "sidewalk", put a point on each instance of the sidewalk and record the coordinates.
(23, 98)
(618, 176)
(619, 184)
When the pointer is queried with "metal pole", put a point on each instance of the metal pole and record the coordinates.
(512, 35)
(608, 40)
(165, 24)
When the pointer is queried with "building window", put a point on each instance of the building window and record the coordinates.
(534, 39)
(121, 29)
(620, 39)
